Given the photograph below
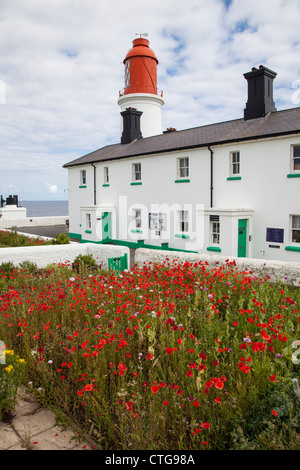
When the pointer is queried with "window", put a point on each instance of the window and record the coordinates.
(215, 232)
(234, 163)
(106, 175)
(127, 74)
(83, 177)
(157, 221)
(136, 172)
(183, 221)
(296, 158)
(138, 218)
(295, 228)
(183, 167)
(88, 221)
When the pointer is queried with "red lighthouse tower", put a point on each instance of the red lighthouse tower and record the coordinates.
(141, 69)
(140, 91)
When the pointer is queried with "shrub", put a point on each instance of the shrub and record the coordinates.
(28, 266)
(61, 239)
(7, 267)
(84, 261)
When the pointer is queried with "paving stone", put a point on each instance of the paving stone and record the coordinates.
(34, 428)
(28, 426)
(8, 437)
(53, 439)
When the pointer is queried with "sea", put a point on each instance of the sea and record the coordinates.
(45, 208)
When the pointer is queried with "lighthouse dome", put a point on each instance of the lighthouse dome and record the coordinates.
(140, 88)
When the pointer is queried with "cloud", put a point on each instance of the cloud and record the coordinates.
(61, 69)
(53, 188)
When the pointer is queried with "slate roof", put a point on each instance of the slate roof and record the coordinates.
(274, 124)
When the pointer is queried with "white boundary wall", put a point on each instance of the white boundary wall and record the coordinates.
(33, 221)
(44, 255)
(283, 271)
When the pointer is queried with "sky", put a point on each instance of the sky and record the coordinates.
(61, 69)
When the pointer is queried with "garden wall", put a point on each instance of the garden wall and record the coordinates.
(33, 221)
(277, 270)
(44, 255)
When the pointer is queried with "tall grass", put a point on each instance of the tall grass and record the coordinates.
(170, 356)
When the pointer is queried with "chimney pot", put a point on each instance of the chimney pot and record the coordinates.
(260, 92)
(131, 125)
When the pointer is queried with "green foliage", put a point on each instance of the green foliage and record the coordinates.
(7, 267)
(83, 263)
(13, 239)
(12, 373)
(28, 266)
(162, 357)
(61, 239)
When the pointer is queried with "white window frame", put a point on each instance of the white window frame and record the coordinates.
(183, 221)
(88, 221)
(215, 232)
(157, 221)
(83, 177)
(106, 175)
(136, 172)
(293, 158)
(183, 168)
(295, 227)
(235, 166)
(137, 213)
(127, 74)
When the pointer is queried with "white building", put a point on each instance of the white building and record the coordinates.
(231, 188)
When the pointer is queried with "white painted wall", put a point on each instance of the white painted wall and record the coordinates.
(33, 221)
(12, 212)
(150, 105)
(44, 255)
(264, 195)
(264, 187)
(277, 270)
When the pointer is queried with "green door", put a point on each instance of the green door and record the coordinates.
(242, 238)
(106, 225)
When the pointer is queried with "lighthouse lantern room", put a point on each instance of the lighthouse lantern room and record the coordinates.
(141, 92)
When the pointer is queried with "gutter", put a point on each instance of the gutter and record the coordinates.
(95, 191)
(211, 175)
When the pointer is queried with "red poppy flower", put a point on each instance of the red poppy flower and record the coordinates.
(154, 388)
(205, 425)
(272, 378)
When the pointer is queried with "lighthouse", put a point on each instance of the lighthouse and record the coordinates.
(140, 92)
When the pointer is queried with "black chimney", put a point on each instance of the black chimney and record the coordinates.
(131, 125)
(260, 92)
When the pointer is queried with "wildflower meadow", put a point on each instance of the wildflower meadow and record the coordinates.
(170, 356)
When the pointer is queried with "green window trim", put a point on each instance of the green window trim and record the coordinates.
(87, 231)
(292, 248)
(83, 186)
(136, 183)
(137, 231)
(105, 185)
(214, 248)
(181, 235)
(183, 181)
(293, 175)
(234, 178)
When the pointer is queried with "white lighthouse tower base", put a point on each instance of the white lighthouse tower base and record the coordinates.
(150, 105)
